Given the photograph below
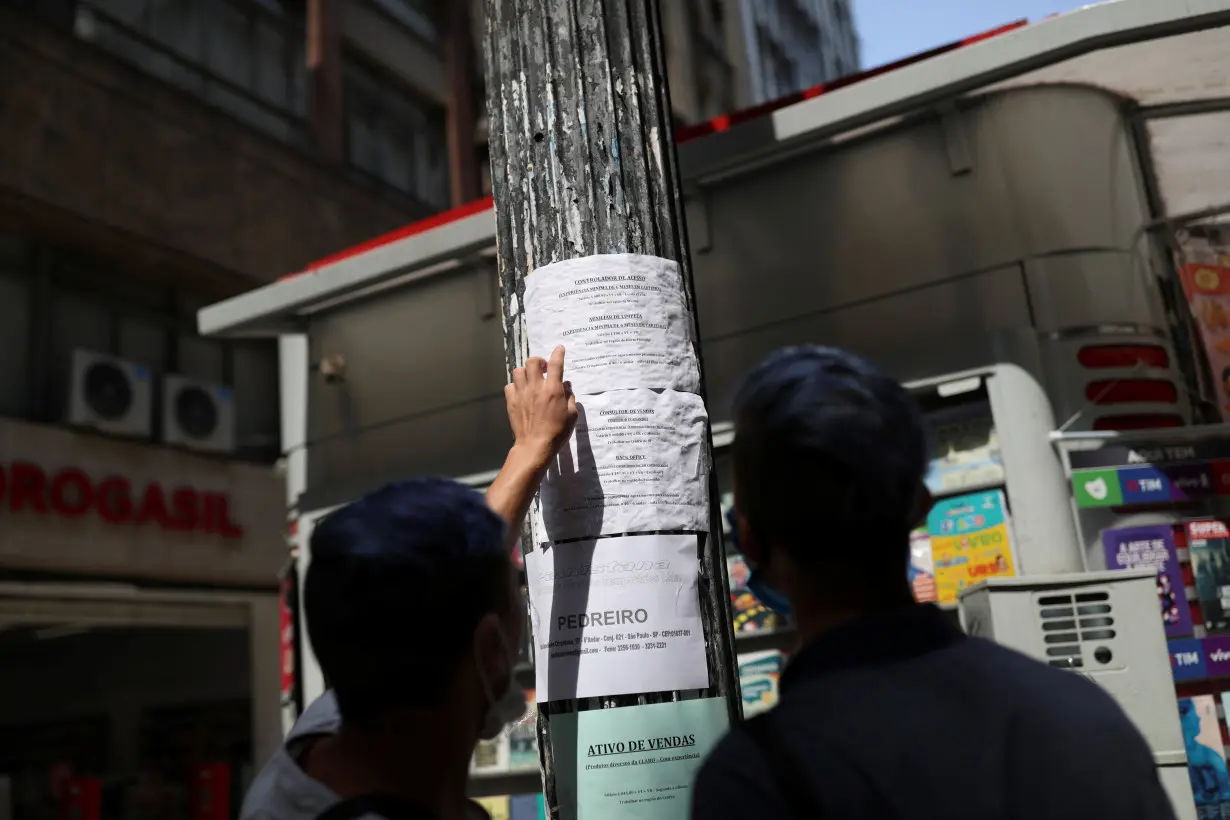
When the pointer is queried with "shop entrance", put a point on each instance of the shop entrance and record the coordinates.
(124, 704)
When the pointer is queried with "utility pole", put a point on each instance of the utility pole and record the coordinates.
(583, 164)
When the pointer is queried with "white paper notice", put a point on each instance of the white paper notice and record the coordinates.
(636, 463)
(621, 318)
(616, 616)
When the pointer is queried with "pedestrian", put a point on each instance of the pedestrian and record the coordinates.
(887, 709)
(414, 612)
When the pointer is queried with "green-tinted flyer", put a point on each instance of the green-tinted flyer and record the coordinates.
(636, 762)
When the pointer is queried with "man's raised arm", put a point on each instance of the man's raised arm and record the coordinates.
(542, 412)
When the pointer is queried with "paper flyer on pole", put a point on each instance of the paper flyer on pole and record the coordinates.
(636, 463)
(1154, 547)
(636, 762)
(621, 318)
(616, 616)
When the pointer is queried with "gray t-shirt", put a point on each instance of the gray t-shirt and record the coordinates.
(283, 791)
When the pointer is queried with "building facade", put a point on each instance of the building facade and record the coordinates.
(796, 44)
(155, 156)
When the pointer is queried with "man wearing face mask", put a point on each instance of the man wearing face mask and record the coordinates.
(887, 709)
(414, 612)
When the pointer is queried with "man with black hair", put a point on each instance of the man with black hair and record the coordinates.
(887, 709)
(414, 612)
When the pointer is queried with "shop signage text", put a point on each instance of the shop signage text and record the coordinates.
(70, 493)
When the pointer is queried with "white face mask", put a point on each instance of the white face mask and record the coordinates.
(509, 706)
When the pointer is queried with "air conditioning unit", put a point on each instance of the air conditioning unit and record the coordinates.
(1105, 626)
(198, 415)
(110, 395)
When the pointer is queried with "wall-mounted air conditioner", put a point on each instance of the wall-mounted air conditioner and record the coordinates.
(198, 415)
(1107, 627)
(110, 395)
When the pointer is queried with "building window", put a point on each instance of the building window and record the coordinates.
(244, 56)
(778, 73)
(393, 136)
(54, 302)
(712, 69)
(420, 16)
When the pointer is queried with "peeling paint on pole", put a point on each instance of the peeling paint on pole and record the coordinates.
(578, 111)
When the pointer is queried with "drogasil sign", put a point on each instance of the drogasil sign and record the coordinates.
(71, 493)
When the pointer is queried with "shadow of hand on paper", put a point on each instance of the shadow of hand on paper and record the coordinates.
(570, 600)
(573, 501)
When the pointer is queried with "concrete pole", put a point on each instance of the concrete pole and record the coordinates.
(583, 163)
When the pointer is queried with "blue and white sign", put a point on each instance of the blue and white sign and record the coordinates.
(1187, 660)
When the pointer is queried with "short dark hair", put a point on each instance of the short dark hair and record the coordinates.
(830, 454)
(396, 583)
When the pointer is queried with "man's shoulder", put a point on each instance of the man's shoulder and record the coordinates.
(1041, 685)
(283, 791)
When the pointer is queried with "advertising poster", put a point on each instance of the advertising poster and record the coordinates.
(1206, 757)
(747, 612)
(1153, 547)
(616, 616)
(968, 456)
(621, 318)
(636, 762)
(759, 673)
(1209, 544)
(921, 573)
(970, 542)
(635, 463)
(1207, 286)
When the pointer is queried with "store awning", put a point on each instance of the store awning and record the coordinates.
(1169, 57)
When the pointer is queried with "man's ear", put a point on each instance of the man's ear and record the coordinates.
(489, 648)
(749, 544)
(923, 503)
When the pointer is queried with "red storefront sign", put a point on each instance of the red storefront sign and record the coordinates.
(70, 493)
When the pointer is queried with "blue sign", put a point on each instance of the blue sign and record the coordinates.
(1144, 485)
(1187, 660)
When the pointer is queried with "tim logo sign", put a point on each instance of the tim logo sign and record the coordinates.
(1187, 659)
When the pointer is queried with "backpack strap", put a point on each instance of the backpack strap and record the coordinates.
(785, 768)
(381, 805)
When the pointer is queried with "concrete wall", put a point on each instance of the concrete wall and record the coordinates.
(100, 155)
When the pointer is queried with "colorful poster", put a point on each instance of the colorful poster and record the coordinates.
(748, 613)
(616, 616)
(1207, 285)
(970, 542)
(758, 680)
(1206, 757)
(497, 807)
(635, 762)
(968, 456)
(1209, 544)
(921, 573)
(1153, 547)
